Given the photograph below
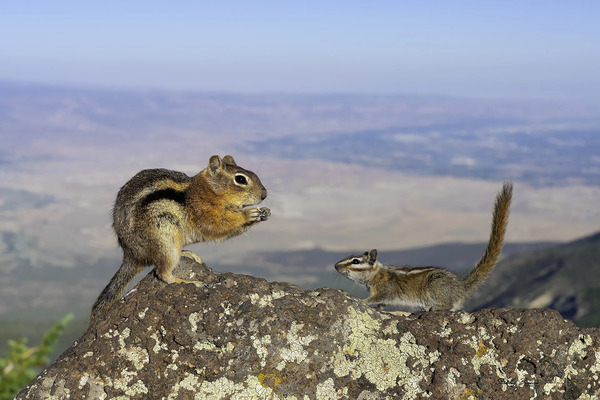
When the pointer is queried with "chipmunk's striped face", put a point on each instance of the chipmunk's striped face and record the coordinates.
(357, 268)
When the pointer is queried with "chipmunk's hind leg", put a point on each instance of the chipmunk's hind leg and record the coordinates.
(192, 255)
(167, 262)
(376, 300)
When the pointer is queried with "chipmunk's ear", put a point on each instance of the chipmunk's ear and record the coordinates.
(372, 256)
(215, 165)
(229, 160)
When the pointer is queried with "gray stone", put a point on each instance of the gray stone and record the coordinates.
(241, 337)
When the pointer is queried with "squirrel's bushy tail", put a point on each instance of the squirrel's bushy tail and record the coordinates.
(494, 247)
(112, 292)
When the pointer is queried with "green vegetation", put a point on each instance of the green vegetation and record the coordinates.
(22, 362)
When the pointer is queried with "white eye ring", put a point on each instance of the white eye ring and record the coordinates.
(241, 179)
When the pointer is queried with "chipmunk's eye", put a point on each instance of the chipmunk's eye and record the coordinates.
(241, 179)
(356, 261)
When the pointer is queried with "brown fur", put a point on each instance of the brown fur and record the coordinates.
(428, 287)
(159, 211)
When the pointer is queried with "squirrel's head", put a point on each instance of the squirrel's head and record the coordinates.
(239, 187)
(358, 268)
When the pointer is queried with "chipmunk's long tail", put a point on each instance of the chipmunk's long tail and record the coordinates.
(115, 288)
(494, 247)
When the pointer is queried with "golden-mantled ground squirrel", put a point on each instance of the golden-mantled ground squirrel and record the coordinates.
(427, 287)
(159, 211)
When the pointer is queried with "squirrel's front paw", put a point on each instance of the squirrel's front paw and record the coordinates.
(258, 214)
(265, 213)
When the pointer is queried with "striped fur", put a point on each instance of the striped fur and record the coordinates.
(428, 287)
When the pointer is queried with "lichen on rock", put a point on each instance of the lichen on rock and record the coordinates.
(241, 337)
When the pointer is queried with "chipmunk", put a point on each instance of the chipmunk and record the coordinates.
(159, 211)
(427, 287)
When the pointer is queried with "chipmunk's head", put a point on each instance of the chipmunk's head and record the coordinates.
(239, 187)
(358, 268)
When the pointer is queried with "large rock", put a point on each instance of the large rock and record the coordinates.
(242, 337)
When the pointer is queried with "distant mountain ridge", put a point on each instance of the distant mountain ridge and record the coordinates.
(565, 277)
(479, 148)
(456, 256)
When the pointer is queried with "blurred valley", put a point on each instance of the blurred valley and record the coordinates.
(413, 176)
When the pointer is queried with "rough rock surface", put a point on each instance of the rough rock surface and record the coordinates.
(242, 337)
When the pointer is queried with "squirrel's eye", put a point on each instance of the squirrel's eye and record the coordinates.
(355, 261)
(241, 180)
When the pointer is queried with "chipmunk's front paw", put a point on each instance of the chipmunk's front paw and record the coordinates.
(265, 213)
(258, 214)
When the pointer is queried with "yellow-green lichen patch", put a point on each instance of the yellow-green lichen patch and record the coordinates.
(445, 330)
(137, 355)
(260, 345)
(194, 318)
(521, 374)
(270, 380)
(327, 391)
(226, 308)
(223, 388)
(124, 335)
(142, 314)
(190, 382)
(83, 380)
(205, 345)
(95, 386)
(468, 394)
(278, 294)
(60, 391)
(577, 349)
(481, 350)
(158, 344)
(254, 297)
(266, 300)
(595, 369)
(488, 355)
(391, 328)
(578, 346)
(295, 351)
(124, 383)
(466, 319)
(452, 385)
(383, 362)
(552, 386)
(483, 334)
(111, 333)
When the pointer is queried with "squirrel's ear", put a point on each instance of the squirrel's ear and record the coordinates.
(372, 256)
(215, 164)
(229, 160)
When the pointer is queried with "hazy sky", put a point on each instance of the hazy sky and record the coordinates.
(483, 48)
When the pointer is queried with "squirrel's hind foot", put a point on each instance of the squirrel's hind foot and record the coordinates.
(169, 278)
(192, 255)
